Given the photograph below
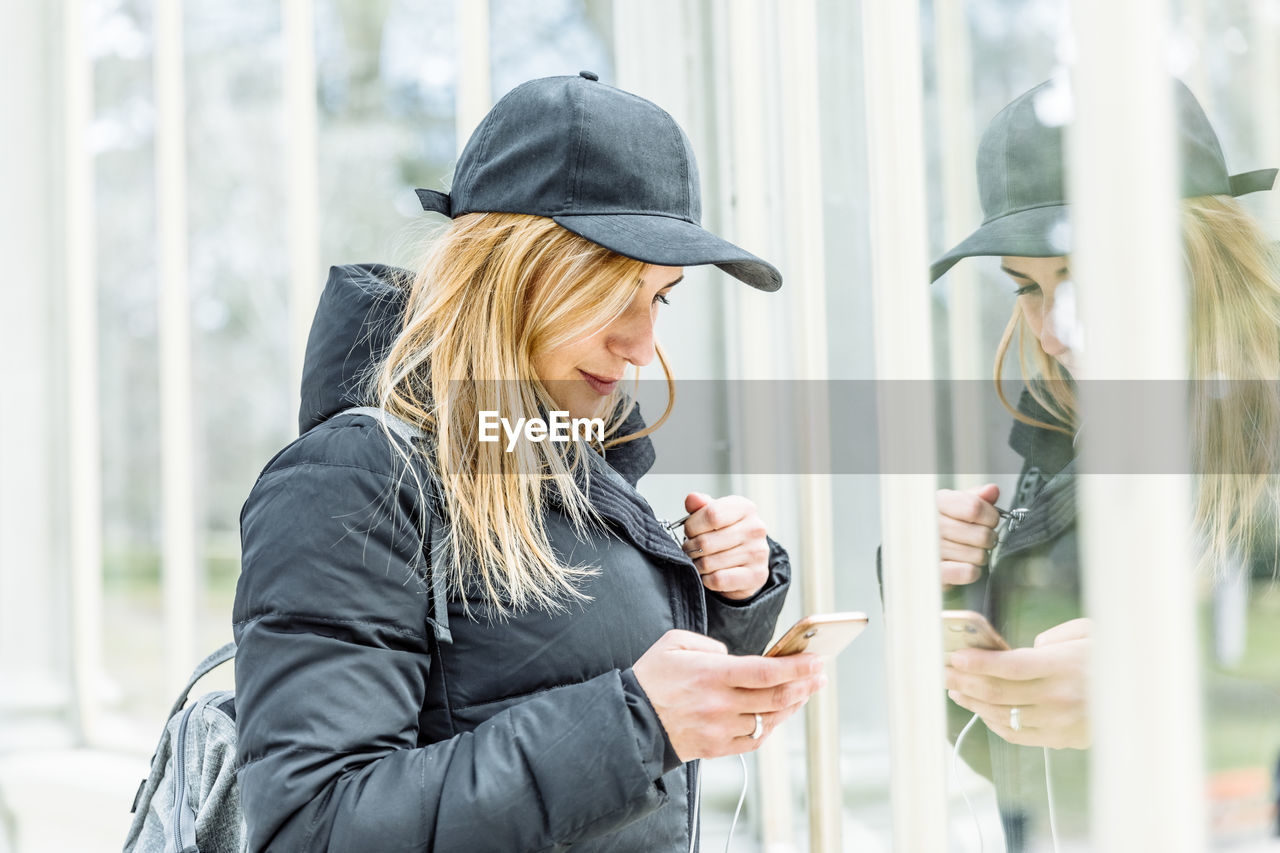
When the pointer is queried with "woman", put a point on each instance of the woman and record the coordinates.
(449, 645)
(1027, 576)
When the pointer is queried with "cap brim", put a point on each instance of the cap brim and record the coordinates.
(671, 242)
(1258, 180)
(1037, 232)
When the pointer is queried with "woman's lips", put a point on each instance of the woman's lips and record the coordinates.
(599, 384)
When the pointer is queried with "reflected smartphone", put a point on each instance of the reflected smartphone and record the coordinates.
(822, 634)
(969, 629)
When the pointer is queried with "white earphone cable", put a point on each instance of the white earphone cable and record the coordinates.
(1048, 788)
(697, 806)
(1048, 793)
(742, 798)
(955, 775)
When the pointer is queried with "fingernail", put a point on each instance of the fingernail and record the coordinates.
(953, 696)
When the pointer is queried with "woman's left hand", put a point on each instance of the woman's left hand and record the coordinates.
(725, 538)
(1048, 684)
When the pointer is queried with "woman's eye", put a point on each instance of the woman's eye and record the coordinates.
(661, 298)
(1027, 290)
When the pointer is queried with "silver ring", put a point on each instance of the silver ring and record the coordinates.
(1015, 719)
(759, 729)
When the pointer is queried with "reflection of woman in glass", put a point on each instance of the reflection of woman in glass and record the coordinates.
(1026, 576)
(453, 644)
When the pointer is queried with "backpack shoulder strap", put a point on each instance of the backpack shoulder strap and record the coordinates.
(438, 555)
(219, 657)
(433, 547)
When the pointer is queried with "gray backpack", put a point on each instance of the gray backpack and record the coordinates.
(190, 802)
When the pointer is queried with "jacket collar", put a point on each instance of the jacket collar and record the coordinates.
(1046, 449)
(633, 459)
(1053, 453)
(609, 482)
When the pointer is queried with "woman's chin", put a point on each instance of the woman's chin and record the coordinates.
(593, 406)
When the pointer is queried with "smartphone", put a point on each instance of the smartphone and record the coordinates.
(969, 629)
(822, 634)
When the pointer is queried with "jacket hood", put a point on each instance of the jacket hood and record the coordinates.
(358, 317)
(356, 321)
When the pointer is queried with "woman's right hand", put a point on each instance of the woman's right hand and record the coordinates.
(967, 522)
(707, 699)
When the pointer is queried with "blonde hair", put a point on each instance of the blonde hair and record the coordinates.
(495, 291)
(1234, 338)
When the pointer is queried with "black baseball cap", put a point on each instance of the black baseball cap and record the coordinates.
(605, 164)
(1022, 184)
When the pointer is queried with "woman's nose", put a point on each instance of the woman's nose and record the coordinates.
(632, 336)
(1052, 336)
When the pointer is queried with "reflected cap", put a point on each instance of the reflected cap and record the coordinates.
(603, 163)
(1021, 174)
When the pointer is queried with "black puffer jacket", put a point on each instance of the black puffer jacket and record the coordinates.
(366, 723)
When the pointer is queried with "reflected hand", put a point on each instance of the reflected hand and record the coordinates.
(707, 700)
(967, 522)
(1048, 684)
(726, 540)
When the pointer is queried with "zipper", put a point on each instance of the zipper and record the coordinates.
(180, 780)
(675, 529)
(1009, 521)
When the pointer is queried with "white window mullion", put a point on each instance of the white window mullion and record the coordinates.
(748, 132)
(1194, 37)
(802, 230)
(912, 591)
(739, 32)
(1264, 54)
(84, 423)
(178, 551)
(1145, 701)
(970, 363)
(303, 168)
(33, 435)
(475, 89)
